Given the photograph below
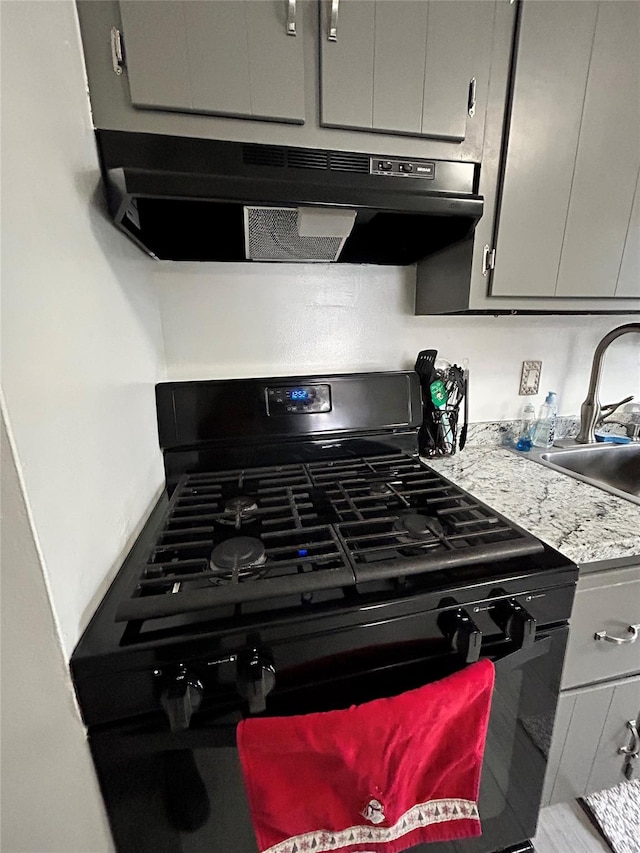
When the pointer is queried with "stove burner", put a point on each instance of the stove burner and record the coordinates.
(239, 509)
(240, 557)
(380, 489)
(414, 527)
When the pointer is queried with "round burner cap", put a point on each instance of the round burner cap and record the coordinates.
(240, 504)
(413, 524)
(241, 552)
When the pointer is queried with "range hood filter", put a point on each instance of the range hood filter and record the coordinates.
(277, 234)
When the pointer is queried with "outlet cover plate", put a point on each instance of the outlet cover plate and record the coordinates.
(530, 378)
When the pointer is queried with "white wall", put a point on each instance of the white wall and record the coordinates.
(81, 338)
(227, 320)
(50, 797)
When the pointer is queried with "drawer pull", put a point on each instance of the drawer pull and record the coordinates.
(619, 641)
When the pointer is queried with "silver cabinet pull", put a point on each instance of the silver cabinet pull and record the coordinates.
(630, 752)
(333, 21)
(488, 260)
(117, 55)
(472, 97)
(619, 641)
(291, 18)
(634, 746)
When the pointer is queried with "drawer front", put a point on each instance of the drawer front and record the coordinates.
(605, 601)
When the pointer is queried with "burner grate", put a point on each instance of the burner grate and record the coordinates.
(323, 526)
(302, 554)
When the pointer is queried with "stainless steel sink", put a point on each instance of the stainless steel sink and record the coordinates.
(612, 467)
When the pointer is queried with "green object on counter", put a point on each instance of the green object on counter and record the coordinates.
(438, 393)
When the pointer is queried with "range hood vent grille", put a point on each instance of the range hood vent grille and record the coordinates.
(304, 158)
(342, 161)
(264, 155)
(311, 159)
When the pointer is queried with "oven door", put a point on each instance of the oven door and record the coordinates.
(183, 793)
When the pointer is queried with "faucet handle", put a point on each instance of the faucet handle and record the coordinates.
(610, 408)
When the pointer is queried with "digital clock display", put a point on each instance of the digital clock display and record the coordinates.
(298, 394)
(298, 399)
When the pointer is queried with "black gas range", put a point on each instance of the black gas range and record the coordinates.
(303, 558)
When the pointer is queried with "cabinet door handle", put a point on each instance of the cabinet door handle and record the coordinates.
(619, 641)
(634, 746)
(333, 21)
(488, 260)
(471, 105)
(291, 17)
(117, 54)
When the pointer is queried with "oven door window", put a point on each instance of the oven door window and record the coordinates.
(184, 793)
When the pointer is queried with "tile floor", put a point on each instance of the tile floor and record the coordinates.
(565, 828)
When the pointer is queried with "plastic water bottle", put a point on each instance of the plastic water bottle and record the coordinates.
(545, 427)
(526, 428)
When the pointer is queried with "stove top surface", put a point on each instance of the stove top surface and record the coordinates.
(231, 538)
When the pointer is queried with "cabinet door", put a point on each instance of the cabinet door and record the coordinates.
(609, 765)
(573, 153)
(404, 66)
(552, 64)
(226, 57)
(607, 159)
(629, 278)
(589, 729)
(587, 710)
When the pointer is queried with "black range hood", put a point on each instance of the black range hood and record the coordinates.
(185, 199)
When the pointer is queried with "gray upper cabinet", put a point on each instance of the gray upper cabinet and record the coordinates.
(607, 159)
(395, 83)
(229, 57)
(404, 66)
(630, 267)
(566, 220)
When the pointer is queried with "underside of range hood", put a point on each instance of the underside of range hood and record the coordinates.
(186, 199)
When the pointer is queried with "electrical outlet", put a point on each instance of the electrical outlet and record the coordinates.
(530, 378)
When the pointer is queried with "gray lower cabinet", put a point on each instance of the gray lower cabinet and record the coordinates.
(404, 66)
(600, 688)
(568, 218)
(228, 57)
(591, 726)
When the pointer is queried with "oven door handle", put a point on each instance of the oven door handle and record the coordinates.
(523, 655)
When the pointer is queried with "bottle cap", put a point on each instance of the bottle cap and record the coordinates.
(551, 398)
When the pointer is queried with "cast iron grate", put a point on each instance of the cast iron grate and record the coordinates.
(322, 526)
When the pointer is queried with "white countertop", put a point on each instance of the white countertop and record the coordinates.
(584, 523)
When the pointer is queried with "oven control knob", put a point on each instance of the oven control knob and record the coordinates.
(463, 634)
(515, 621)
(180, 698)
(256, 677)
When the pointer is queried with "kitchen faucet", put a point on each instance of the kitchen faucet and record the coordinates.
(590, 409)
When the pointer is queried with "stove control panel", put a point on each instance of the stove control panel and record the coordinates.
(298, 399)
(397, 168)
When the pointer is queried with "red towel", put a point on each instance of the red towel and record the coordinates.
(377, 777)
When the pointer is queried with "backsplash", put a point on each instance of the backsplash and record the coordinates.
(238, 320)
(505, 433)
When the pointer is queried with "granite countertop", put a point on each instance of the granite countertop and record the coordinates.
(584, 523)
